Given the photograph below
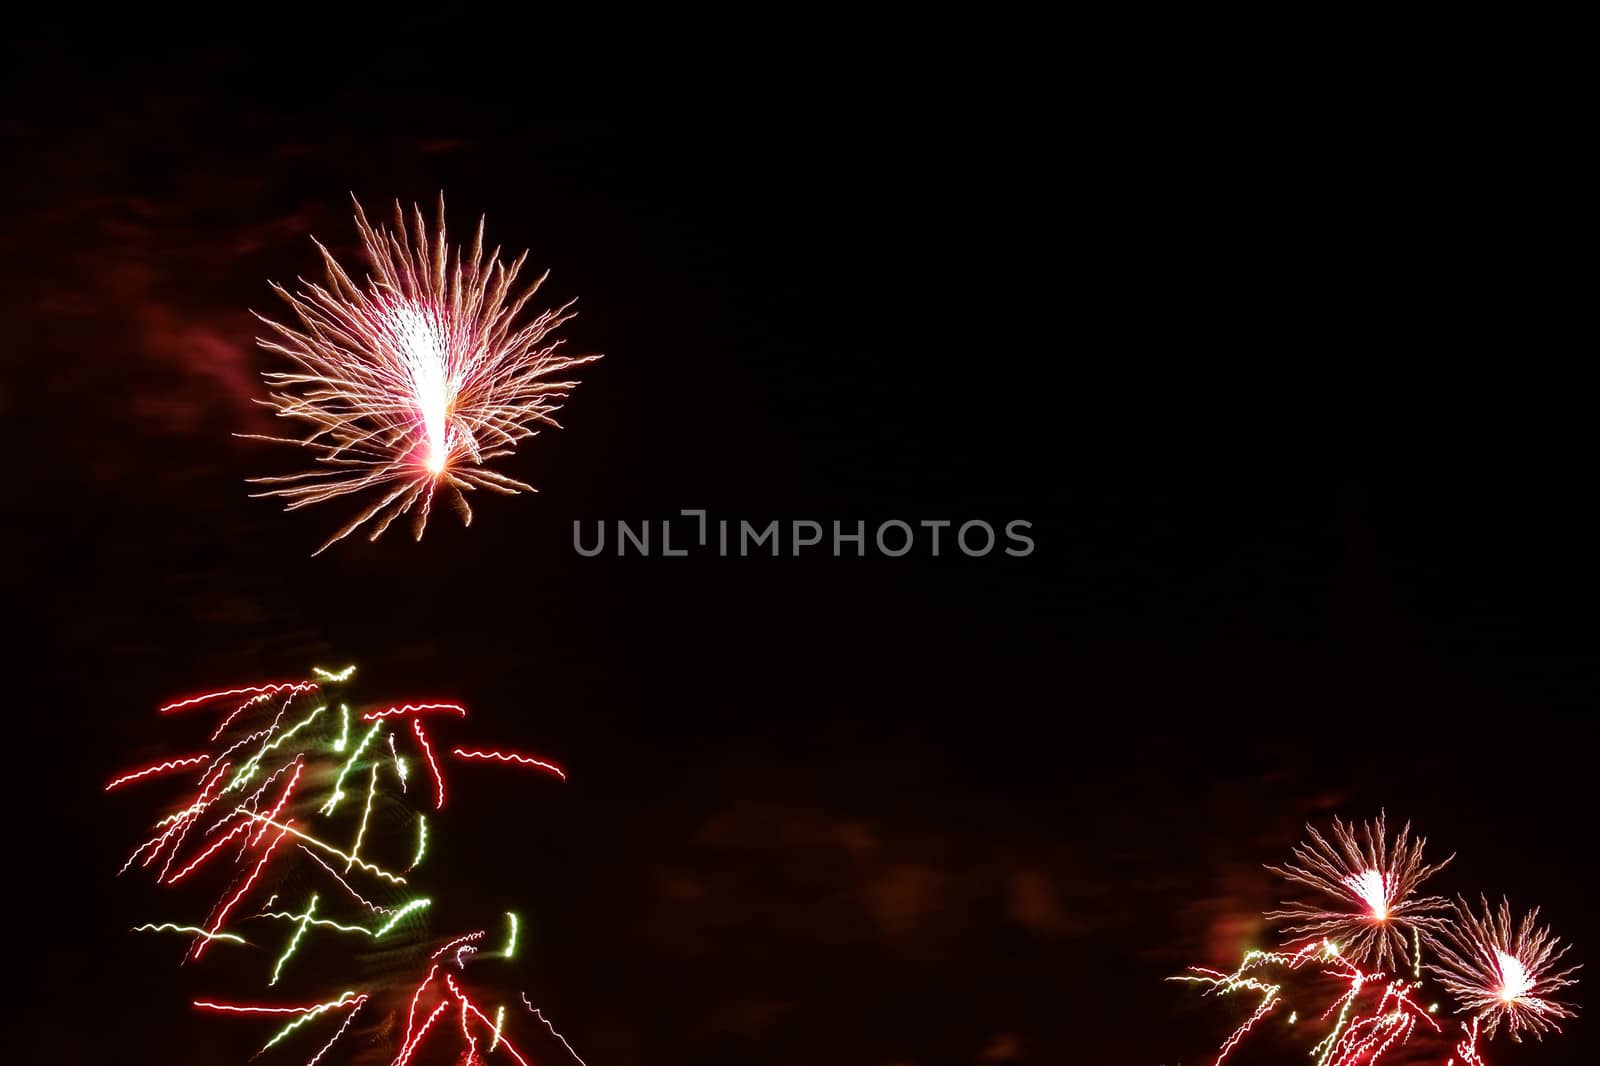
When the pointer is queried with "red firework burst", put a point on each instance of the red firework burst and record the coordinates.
(413, 382)
(1499, 970)
(1373, 884)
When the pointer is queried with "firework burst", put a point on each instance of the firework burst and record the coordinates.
(1499, 970)
(287, 806)
(412, 383)
(1373, 884)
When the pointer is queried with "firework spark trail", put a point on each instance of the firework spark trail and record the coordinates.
(182, 826)
(552, 1029)
(158, 768)
(510, 757)
(1493, 966)
(504, 1042)
(399, 764)
(366, 814)
(1387, 1026)
(345, 999)
(433, 765)
(1468, 1047)
(283, 798)
(376, 871)
(479, 935)
(335, 874)
(1356, 1036)
(1223, 984)
(222, 916)
(335, 1038)
(411, 1045)
(241, 827)
(1373, 883)
(416, 708)
(411, 1014)
(243, 1008)
(206, 697)
(168, 927)
(411, 384)
(293, 690)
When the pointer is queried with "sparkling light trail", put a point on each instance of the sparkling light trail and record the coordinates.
(366, 814)
(552, 1028)
(394, 919)
(511, 937)
(159, 768)
(433, 766)
(422, 841)
(168, 927)
(294, 941)
(360, 1001)
(338, 790)
(323, 1008)
(222, 916)
(206, 697)
(511, 757)
(416, 708)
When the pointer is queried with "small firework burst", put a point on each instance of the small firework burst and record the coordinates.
(1499, 970)
(1373, 883)
(412, 383)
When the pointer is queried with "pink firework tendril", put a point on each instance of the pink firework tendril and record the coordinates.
(413, 382)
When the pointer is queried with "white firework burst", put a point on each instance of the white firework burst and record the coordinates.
(411, 383)
(1371, 909)
(1501, 971)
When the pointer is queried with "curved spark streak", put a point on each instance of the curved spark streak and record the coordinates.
(249, 690)
(360, 1001)
(433, 765)
(511, 757)
(344, 999)
(159, 768)
(222, 915)
(457, 941)
(376, 871)
(323, 923)
(410, 384)
(552, 1028)
(469, 1005)
(373, 907)
(242, 1008)
(168, 927)
(416, 708)
(206, 854)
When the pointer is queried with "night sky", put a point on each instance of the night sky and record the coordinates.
(1284, 393)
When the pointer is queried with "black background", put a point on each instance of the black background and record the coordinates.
(1281, 380)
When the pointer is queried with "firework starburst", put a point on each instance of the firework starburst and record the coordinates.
(1502, 971)
(1370, 883)
(411, 383)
